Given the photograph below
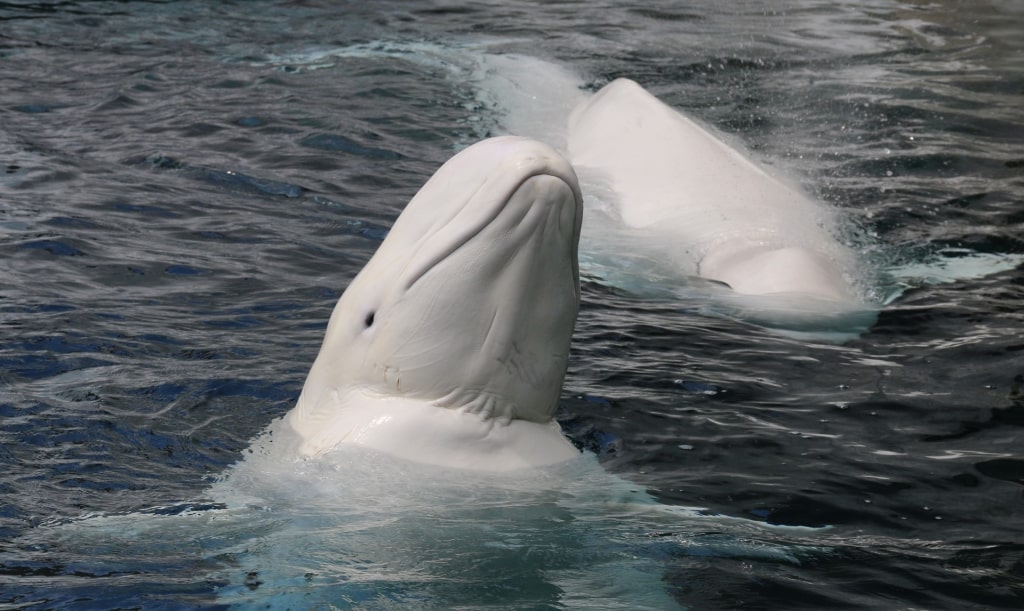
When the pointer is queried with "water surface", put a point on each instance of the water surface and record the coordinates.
(186, 187)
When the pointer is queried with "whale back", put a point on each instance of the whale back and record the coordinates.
(724, 217)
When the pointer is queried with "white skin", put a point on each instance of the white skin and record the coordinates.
(716, 213)
(451, 345)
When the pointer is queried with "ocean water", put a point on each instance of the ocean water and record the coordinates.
(186, 187)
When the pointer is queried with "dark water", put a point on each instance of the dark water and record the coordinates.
(186, 187)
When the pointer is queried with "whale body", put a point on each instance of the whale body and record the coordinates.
(450, 346)
(719, 214)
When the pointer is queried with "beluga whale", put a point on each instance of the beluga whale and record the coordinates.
(450, 346)
(708, 208)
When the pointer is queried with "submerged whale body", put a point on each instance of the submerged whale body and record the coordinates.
(356, 528)
(716, 213)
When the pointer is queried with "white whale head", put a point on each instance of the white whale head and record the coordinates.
(468, 304)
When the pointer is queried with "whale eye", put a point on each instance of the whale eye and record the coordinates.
(369, 320)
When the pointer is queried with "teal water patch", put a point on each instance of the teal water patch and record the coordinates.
(355, 528)
(945, 266)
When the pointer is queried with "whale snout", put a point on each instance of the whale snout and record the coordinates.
(498, 191)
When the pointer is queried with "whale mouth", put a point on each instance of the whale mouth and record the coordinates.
(486, 206)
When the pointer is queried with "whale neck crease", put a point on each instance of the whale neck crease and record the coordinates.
(424, 432)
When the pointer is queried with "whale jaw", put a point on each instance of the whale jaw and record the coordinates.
(458, 328)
